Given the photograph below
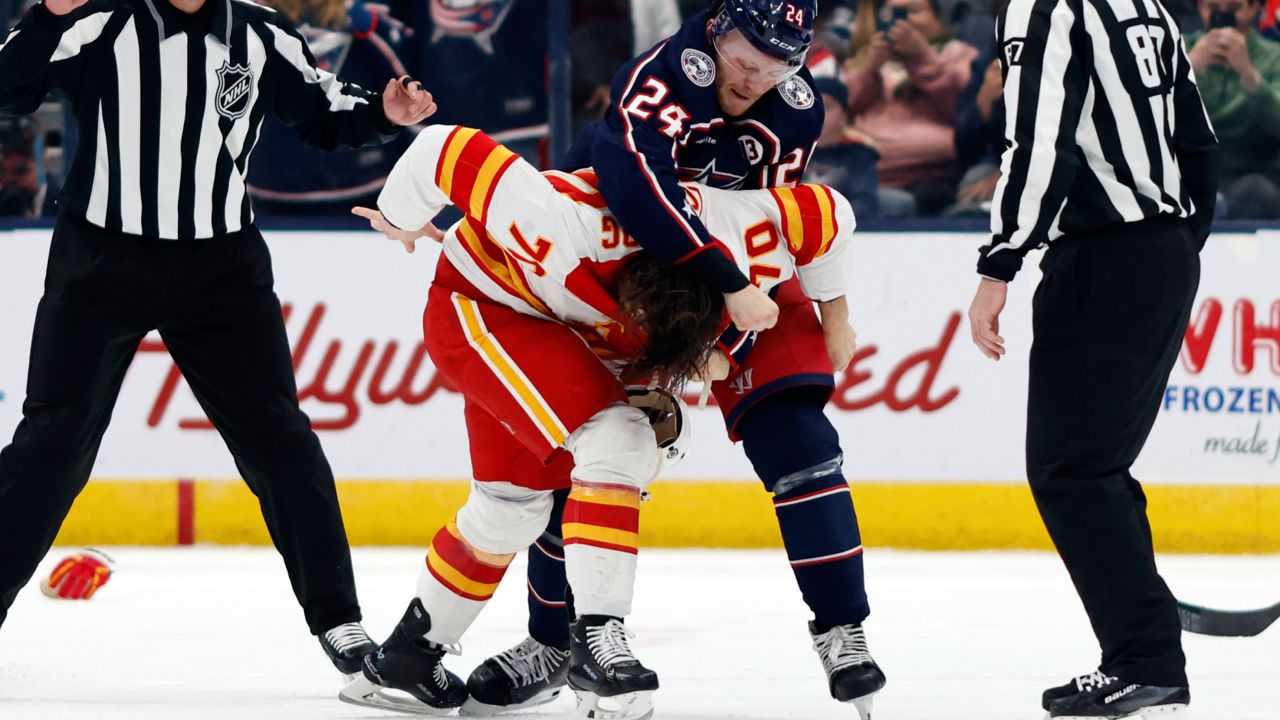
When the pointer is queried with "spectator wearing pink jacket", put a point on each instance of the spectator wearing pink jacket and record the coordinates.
(904, 82)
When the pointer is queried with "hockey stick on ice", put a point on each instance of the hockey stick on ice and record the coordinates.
(1226, 623)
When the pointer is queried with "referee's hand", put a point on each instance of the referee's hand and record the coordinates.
(63, 7)
(984, 317)
(406, 102)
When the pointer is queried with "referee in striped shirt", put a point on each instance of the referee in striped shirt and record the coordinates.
(157, 233)
(1110, 161)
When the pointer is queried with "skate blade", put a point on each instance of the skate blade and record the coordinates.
(863, 705)
(475, 708)
(627, 706)
(362, 692)
(1155, 712)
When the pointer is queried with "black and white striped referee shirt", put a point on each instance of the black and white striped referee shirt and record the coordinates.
(1104, 124)
(169, 106)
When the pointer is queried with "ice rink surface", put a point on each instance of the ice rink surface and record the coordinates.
(215, 633)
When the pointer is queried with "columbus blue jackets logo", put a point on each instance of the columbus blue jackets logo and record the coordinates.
(235, 88)
(476, 20)
(698, 66)
(796, 92)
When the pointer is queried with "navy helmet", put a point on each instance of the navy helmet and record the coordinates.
(779, 28)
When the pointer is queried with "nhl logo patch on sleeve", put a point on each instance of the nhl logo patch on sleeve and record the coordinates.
(698, 66)
(796, 92)
(235, 86)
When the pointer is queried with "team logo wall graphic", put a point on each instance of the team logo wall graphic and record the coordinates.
(235, 88)
(796, 92)
(698, 66)
(476, 20)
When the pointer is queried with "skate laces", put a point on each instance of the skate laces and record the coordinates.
(530, 662)
(1093, 681)
(346, 636)
(842, 646)
(438, 673)
(608, 643)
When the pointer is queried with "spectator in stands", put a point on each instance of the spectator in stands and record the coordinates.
(358, 42)
(980, 138)
(1238, 72)
(22, 185)
(845, 158)
(905, 79)
(485, 62)
(606, 34)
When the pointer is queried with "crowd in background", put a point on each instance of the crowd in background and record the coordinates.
(912, 90)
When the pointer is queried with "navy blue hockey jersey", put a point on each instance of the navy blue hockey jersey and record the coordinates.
(664, 125)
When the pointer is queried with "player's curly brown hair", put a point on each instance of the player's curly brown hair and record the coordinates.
(680, 315)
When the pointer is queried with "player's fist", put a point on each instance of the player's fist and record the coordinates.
(78, 577)
(63, 7)
(751, 309)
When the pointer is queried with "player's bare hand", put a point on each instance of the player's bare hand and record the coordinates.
(406, 102)
(63, 7)
(984, 317)
(751, 309)
(408, 238)
(840, 338)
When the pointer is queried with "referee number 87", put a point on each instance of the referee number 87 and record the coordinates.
(1147, 42)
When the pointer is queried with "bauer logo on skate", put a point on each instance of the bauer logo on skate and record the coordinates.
(917, 403)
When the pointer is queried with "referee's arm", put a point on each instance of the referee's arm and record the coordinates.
(1044, 90)
(1195, 145)
(44, 51)
(327, 112)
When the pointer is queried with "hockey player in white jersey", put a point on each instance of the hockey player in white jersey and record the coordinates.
(541, 309)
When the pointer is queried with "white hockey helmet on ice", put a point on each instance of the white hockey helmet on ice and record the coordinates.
(669, 417)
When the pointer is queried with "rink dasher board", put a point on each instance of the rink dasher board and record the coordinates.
(925, 420)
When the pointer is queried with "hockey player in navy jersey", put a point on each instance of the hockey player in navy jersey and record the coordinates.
(726, 101)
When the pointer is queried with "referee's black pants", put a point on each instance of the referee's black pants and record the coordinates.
(213, 303)
(1109, 318)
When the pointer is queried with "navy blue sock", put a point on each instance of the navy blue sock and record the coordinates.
(548, 611)
(796, 452)
(820, 531)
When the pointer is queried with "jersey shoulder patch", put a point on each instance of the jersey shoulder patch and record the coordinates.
(797, 92)
(698, 67)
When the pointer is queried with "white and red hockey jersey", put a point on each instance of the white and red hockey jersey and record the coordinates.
(546, 245)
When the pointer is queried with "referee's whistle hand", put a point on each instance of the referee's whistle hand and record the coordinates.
(984, 317)
(406, 102)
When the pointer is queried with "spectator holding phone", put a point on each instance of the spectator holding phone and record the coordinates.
(1238, 72)
(904, 83)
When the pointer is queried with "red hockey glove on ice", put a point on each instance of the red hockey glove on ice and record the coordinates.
(79, 576)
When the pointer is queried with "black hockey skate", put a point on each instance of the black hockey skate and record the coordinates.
(406, 673)
(610, 682)
(346, 645)
(528, 674)
(852, 675)
(1097, 695)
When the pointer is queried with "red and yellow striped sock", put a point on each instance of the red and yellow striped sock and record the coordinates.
(604, 516)
(601, 535)
(455, 584)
